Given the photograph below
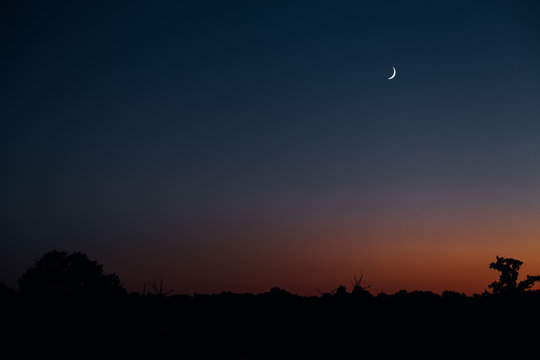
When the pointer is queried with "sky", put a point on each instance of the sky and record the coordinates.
(241, 145)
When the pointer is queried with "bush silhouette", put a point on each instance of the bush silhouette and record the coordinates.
(359, 290)
(60, 273)
(509, 269)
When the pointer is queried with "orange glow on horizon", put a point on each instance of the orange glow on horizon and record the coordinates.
(430, 256)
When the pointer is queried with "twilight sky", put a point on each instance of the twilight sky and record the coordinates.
(240, 145)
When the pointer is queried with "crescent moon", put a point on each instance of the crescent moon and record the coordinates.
(393, 75)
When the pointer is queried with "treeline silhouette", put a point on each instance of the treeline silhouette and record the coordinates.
(66, 305)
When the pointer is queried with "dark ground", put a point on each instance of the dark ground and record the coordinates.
(273, 325)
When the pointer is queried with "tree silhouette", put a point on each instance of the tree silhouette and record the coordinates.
(509, 269)
(60, 273)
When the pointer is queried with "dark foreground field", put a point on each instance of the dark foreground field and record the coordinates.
(67, 307)
(273, 325)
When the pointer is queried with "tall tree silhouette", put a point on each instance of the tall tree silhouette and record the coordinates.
(509, 269)
(60, 273)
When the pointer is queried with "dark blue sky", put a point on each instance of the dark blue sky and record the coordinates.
(195, 129)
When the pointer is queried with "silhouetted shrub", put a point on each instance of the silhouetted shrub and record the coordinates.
(360, 291)
(278, 292)
(341, 291)
(155, 287)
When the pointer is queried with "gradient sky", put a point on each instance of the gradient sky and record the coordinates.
(245, 145)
